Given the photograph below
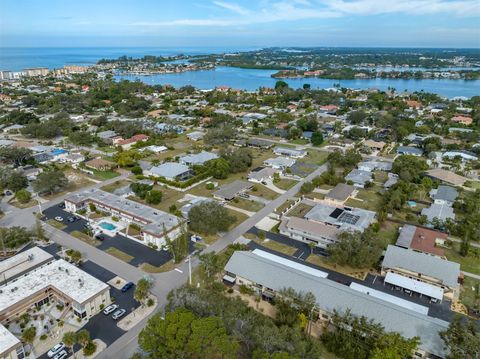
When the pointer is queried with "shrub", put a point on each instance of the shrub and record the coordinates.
(230, 290)
(210, 186)
(90, 348)
(150, 302)
(246, 290)
(23, 196)
(115, 218)
(43, 337)
(102, 306)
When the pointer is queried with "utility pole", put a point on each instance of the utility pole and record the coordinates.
(190, 268)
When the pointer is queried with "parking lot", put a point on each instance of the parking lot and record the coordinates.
(102, 326)
(139, 252)
(439, 310)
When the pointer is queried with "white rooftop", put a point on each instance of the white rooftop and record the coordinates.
(390, 298)
(65, 277)
(7, 340)
(414, 285)
(289, 263)
(22, 262)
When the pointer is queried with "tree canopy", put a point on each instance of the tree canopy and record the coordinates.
(209, 218)
(52, 181)
(184, 335)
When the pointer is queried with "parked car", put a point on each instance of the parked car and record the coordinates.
(8, 193)
(111, 308)
(127, 286)
(195, 238)
(55, 350)
(59, 219)
(118, 314)
(62, 205)
(62, 355)
(100, 237)
(71, 219)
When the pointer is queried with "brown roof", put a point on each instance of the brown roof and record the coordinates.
(424, 240)
(447, 176)
(98, 163)
(312, 227)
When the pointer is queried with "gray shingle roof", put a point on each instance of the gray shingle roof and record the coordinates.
(445, 193)
(169, 170)
(230, 190)
(334, 296)
(340, 192)
(448, 272)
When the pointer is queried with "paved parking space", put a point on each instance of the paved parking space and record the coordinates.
(438, 310)
(102, 326)
(139, 252)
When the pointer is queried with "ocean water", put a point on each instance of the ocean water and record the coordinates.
(16, 59)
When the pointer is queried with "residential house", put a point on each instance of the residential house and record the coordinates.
(374, 145)
(464, 120)
(340, 194)
(280, 163)
(196, 135)
(261, 174)
(231, 190)
(171, 171)
(359, 178)
(444, 195)
(107, 136)
(266, 274)
(197, 158)
(446, 176)
(129, 142)
(99, 164)
(412, 151)
(422, 273)
(289, 152)
(422, 240)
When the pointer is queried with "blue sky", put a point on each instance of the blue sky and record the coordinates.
(242, 24)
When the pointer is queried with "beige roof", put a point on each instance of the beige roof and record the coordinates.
(312, 228)
(374, 144)
(447, 176)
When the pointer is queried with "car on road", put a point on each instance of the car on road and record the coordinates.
(55, 350)
(111, 308)
(127, 286)
(62, 355)
(59, 219)
(118, 314)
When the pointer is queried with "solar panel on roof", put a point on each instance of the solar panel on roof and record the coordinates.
(336, 212)
(348, 218)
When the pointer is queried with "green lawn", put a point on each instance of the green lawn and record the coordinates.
(470, 293)
(105, 175)
(285, 183)
(369, 199)
(260, 190)
(299, 210)
(246, 204)
(119, 254)
(56, 224)
(473, 184)
(470, 263)
(115, 185)
(85, 238)
(315, 157)
(323, 262)
(275, 246)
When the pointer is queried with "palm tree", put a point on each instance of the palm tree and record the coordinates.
(83, 337)
(70, 339)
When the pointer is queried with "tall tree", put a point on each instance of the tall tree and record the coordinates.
(50, 182)
(70, 339)
(182, 335)
(462, 339)
(142, 290)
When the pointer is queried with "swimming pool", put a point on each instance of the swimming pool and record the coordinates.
(107, 226)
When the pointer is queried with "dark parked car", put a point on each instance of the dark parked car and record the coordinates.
(71, 219)
(62, 205)
(100, 237)
(127, 286)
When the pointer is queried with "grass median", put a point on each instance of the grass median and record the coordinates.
(117, 253)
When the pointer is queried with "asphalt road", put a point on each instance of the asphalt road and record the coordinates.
(126, 345)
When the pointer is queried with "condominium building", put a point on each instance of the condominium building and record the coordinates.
(155, 224)
(34, 278)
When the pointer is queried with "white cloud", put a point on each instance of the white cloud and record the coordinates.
(268, 11)
(232, 7)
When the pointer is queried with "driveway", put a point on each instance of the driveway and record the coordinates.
(139, 252)
(437, 310)
(101, 326)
